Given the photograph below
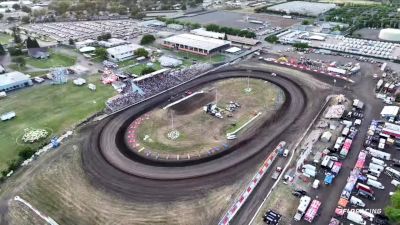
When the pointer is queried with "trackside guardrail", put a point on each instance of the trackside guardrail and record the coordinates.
(238, 203)
(308, 69)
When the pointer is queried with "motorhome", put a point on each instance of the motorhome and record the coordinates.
(376, 167)
(356, 218)
(375, 184)
(378, 161)
(302, 208)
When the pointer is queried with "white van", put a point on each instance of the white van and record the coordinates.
(345, 131)
(285, 153)
(396, 183)
(366, 215)
(315, 184)
(378, 161)
(356, 218)
(376, 167)
(356, 201)
(374, 172)
(371, 177)
(375, 184)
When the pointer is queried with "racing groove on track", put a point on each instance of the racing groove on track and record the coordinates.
(107, 162)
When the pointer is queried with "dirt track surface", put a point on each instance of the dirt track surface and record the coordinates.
(139, 180)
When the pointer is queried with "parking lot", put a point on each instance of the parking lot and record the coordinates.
(82, 30)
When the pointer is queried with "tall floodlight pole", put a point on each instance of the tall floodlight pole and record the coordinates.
(216, 96)
(172, 120)
(334, 85)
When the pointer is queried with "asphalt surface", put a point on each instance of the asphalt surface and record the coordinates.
(329, 196)
(193, 180)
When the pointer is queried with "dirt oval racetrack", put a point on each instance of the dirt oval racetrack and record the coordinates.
(108, 164)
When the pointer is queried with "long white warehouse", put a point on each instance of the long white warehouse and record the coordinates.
(196, 44)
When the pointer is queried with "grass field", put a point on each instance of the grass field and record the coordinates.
(138, 68)
(5, 38)
(153, 132)
(55, 60)
(188, 58)
(49, 106)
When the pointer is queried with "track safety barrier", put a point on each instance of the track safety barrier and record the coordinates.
(301, 68)
(250, 187)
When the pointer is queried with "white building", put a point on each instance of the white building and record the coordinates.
(112, 42)
(122, 52)
(390, 34)
(196, 44)
(85, 43)
(205, 33)
(14, 80)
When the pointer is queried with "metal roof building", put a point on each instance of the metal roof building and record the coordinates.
(196, 44)
(14, 80)
(122, 52)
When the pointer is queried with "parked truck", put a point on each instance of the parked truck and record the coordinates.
(356, 218)
(312, 211)
(375, 184)
(302, 208)
(378, 154)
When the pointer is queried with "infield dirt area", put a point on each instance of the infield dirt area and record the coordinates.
(199, 131)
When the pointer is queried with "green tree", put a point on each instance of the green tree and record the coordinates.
(147, 70)
(26, 19)
(2, 50)
(16, 6)
(26, 9)
(183, 6)
(147, 39)
(101, 53)
(16, 36)
(300, 46)
(26, 153)
(141, 52)
(272, 39)
(14, 51)
(1, 16)
(305, 22)
(20, 61)
(71, 41)
(393, 210)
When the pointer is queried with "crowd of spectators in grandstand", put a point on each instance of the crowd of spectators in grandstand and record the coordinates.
(153, 85)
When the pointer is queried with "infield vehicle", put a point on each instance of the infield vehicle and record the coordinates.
(276, 173)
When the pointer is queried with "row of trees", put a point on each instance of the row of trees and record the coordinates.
(230, 31)
(359, 16)
(187, 24)
(14, 164)
(104, 37)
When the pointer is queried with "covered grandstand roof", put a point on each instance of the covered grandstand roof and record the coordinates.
(197, 41)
